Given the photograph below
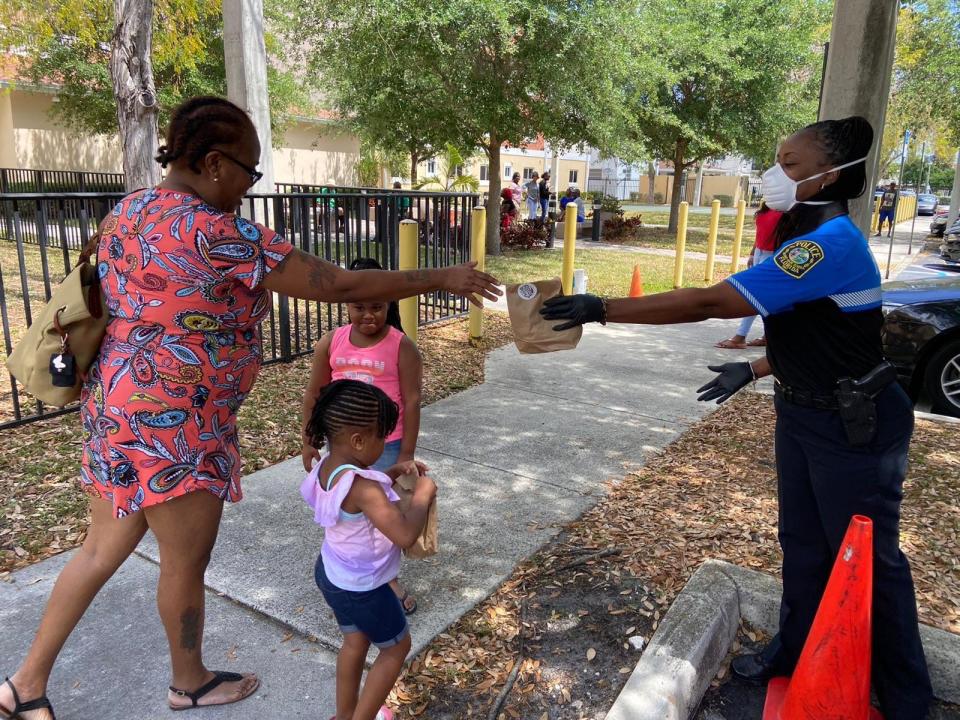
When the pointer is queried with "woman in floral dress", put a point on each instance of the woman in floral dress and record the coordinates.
(186, 281)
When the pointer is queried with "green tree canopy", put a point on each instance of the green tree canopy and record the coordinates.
(736, 77)
(67, 43)
(926, 82)
(474, 73)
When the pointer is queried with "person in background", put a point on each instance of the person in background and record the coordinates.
(516, 191)
(532, 187)
(888, 209)
(764, 246)
(508, 209)
(544, 195)
(573, 196)
(404, 202)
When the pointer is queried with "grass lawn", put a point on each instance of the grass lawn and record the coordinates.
(45, 512)
(608, 271)
(698, 226)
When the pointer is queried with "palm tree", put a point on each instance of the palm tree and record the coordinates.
(449, 180)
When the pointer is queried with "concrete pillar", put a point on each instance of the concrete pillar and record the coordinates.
(955, 195)
(8, 149)
(857, 77)
(246, 63)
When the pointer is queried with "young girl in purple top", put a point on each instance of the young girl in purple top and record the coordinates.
(364, 532)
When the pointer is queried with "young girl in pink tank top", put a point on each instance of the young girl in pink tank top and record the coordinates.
(374, 350)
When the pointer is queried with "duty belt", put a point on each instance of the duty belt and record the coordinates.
(870, 384)
(805, 398)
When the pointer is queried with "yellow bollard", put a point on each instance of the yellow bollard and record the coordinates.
(681, 244)
(712, 239)
(875, 219)
(569, 247)
(478, 251)
(738, 237)
(409, 260)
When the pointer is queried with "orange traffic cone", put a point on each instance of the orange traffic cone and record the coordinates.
(832, 677)
(636, 284)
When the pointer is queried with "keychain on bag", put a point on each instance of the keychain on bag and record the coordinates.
(63, 365)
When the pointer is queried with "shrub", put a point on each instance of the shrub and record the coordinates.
(611, 204)
(658, 198)
(725, 200)
(526, 235)
(619, 228)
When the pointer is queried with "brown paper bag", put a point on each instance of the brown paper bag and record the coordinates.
(533, 334)
(429, 542)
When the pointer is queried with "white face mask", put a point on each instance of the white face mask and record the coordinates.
(779, 190)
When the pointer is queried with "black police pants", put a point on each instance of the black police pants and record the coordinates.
(822, 482)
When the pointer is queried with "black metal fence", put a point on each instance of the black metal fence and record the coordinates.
(41, 234)
(20, 180)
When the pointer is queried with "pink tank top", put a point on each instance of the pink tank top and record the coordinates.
(356, 556)
(377, 365)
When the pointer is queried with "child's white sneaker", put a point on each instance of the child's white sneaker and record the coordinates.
(385, 713)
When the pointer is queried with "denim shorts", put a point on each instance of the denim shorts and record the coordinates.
(391, 451)
(376, 613)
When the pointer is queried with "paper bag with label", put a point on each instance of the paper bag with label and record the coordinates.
(429, 542)
(533, 334)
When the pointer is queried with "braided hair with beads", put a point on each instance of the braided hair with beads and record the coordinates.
(350, 403)
(200, 123)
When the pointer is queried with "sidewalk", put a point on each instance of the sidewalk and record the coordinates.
(515, 458)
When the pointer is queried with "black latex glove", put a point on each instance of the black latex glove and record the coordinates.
(575, 309)
(732, 377)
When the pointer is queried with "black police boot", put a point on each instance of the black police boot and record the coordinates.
(754, 669)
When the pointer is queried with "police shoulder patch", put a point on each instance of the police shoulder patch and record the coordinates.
(798, 258)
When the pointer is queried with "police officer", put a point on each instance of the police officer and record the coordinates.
(843, 423)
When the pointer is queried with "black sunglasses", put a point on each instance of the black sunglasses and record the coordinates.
(255, 175)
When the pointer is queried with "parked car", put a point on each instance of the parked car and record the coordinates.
(921, 336)
(926, 204)
(950, 247)
(938, 224)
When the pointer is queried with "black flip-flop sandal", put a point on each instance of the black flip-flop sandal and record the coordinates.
(219, 677)
(403, 603)
(40, 703)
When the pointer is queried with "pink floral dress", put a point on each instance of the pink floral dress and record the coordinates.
(183, 285)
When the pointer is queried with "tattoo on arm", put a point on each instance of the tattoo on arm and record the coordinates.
(321, 273)
(190, 622)
(415, 276)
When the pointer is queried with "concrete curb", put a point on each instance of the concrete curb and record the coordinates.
(695, 636)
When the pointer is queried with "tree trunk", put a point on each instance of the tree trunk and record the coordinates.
(651, 182)
(698, 190)
(414, 162)
(678, 168)
(493, 201)
(132, 74)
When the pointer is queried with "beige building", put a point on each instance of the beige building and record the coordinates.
(311, 151)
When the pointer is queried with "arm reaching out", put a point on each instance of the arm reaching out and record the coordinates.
(303, 275)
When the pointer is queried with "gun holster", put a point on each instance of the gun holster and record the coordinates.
(855, 398)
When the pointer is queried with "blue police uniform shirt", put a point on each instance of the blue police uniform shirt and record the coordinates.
(819, 296)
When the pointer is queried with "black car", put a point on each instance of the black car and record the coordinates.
(921, 334)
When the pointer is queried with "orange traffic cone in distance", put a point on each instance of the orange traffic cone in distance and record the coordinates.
(832, 677)
(636, 284)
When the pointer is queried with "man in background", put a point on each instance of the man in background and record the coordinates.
(888, 208)
(532, 186)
